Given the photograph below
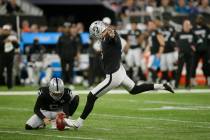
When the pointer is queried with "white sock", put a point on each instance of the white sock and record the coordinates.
(80, 120)
(53, 124)
(159, 86)
(68, 122)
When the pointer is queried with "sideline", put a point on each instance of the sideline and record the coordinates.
(179, 91)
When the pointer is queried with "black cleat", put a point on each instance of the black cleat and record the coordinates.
(168, 87)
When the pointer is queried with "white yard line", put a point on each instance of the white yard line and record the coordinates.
(117, 116)
(149, 118)
(111, 92)
(47, 135)
(176, 103)
(169, 108)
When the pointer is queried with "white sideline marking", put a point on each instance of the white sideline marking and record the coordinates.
(110, 92)
(47, 135)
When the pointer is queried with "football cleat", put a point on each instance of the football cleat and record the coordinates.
(168, 87)
(73, 123)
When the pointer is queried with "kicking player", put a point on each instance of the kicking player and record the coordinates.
(115, 72)
(52, 100)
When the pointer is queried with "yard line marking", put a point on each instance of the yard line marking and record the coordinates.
(169, 108)
(47, 135)
(175, 103)
(16, 109)
(168, 102)
(116, 91)
(149, 118)
(117, 116)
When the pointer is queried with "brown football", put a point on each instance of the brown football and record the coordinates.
(60, 124)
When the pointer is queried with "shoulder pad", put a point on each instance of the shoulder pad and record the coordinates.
(43, 90)
(67, 91)
(39, 92)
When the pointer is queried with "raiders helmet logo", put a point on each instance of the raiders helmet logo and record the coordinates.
(96, 30)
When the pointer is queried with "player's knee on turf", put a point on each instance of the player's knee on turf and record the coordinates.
(28, 127)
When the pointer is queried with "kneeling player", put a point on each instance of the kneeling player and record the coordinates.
(52, 100)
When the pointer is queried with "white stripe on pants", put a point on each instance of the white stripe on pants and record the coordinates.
(118, 78)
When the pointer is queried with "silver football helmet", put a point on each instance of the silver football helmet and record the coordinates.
(56, 88)
(96, 28)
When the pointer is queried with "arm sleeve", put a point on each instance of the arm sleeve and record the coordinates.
(66, 109)
(177, 39)
(16, 44)
(69, 98)
(58, 46)
(37, 107)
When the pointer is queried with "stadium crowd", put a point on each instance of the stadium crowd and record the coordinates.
(155, 48)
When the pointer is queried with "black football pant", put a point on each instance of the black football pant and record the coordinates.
(200, 55)
(6, 61)
(67, 70)
(188, 60)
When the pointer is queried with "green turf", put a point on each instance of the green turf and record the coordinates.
(32, 88)
(118, 117)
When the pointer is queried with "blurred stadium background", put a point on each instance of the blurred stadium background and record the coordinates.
(32, 51)
(38, 24)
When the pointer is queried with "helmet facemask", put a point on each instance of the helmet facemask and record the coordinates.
(56, 96)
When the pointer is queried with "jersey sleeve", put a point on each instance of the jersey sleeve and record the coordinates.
(38, 105)
(68, 98)
(66, 109)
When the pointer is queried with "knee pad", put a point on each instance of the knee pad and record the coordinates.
(28, 127)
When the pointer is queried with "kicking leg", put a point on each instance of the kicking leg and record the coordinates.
(136, 89)
(106, 85)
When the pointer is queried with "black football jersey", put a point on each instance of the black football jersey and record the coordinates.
(185, 41)
(111, 54)
(201, 33)
(133, 38)
(46, 102)
(155, 45)
(208, 39)
(168, 33)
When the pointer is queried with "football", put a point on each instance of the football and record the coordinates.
(60, 124)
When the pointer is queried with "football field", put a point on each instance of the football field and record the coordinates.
(149, 116)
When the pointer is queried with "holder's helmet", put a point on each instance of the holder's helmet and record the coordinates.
(56, 88)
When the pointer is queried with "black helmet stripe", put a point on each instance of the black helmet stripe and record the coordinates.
(56, 83)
